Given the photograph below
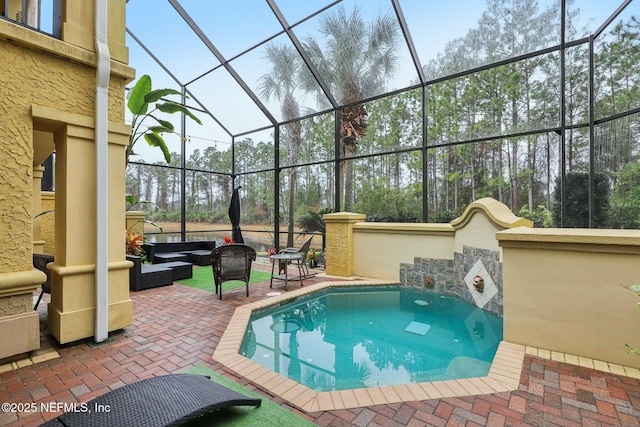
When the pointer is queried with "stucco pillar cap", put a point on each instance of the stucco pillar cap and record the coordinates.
(344, 217)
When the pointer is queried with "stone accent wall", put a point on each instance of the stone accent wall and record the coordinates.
(448, 276)
(429, 274)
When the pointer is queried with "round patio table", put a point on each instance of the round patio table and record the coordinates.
(283, 261)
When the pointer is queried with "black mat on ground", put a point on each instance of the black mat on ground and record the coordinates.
(168, 400)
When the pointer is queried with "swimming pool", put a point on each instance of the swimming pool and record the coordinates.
(360, 337)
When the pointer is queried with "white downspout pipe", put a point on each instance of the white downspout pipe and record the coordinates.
(102, 188)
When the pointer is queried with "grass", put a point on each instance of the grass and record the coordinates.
(203, 279)
(268, 414)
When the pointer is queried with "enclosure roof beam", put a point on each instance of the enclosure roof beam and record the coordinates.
(166, 70)
(303, 53)
(198, 31)
(409, 40)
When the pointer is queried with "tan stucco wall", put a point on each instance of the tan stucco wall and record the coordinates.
(478, 232)
(380, 248)
(478, 224)
(30, 74)
(47, 90)
(567, 290)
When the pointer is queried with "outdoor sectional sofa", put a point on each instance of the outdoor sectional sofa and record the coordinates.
(145, 276)
(197, 252)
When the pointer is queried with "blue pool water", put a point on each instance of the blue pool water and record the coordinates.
(347, 338)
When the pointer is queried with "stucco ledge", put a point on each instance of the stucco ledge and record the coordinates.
(344, 217)
(576, 239)
(21, 282)
(38, 41)
(404, 228)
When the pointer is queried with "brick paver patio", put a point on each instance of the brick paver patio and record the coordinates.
(177, 327)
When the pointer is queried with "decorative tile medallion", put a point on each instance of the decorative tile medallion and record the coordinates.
(490, 290)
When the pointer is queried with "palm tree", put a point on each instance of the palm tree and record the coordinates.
(357, 61)
(281, 82)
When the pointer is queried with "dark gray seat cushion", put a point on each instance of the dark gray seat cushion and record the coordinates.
(199, 257)
(180, 270)
(169, 257)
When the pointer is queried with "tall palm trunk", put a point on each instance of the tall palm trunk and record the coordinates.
(346, 171)
(353, 126)
(290, 110)
(281, 82)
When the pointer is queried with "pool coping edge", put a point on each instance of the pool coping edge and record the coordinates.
(504, 374)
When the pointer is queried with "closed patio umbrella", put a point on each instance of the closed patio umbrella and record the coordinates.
(234, 216)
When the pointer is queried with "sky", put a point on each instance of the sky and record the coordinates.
(236, 26)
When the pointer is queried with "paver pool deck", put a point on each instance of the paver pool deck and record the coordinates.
(178, 327)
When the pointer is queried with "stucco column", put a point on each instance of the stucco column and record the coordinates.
(339, 249)
(78, 24)
(19, 323)
(135, 221)
(13, 9)
(78, 27)
(38, 243)
(28, 58)
(71, 312)
(48, 221)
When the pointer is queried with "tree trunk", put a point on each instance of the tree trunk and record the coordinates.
(346, 171)
(348, 186)
(293, 177)
(290, 110)
(514, 159)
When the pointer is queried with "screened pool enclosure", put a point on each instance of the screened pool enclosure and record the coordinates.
(402, 110)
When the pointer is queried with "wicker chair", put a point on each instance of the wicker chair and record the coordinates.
(302, 250)
(232, 262)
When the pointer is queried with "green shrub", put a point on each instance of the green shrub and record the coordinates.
(576, 210)
(625, 200)
(541, 216)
